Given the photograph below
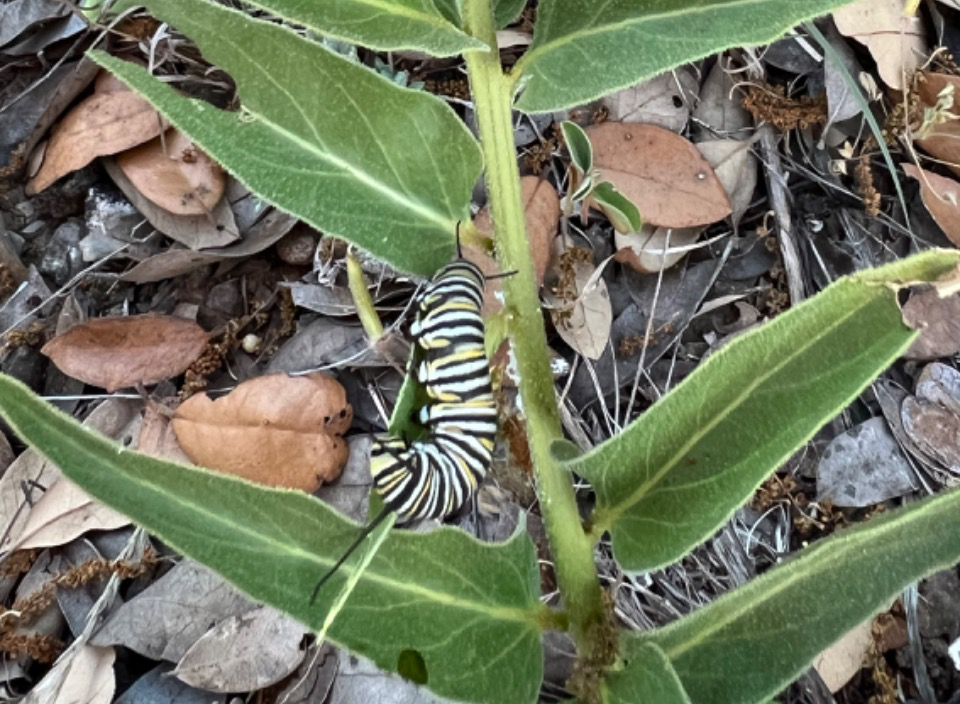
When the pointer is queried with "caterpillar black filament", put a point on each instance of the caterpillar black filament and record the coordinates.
(434, 477)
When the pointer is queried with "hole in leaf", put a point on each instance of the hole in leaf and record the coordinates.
(411, 666)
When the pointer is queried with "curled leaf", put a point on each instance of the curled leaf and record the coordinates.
(275, 430)
(115, 353)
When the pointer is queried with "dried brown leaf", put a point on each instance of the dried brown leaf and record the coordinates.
(941, 197)
(896, 41)
(214, 229)
(938, 320)
(101, 125)
(114, 353)
(581, 309)
(276, 430)
(174, 174)
(934, 429)
(664, 175)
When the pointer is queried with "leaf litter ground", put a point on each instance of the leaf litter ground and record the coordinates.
(759, 184)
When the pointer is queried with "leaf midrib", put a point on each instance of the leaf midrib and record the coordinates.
(436, 21)
(378, 185)
(107, 450)
(609, 515)
(850, 543)
(558, 43)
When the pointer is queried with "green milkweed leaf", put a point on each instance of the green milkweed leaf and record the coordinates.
(620, 210)
(386, 25)
(420, 592)
(578, 144)
(646, 676)
(676, 474)
(386, 168)
(506, 11)
(751, 642)
(583, 50)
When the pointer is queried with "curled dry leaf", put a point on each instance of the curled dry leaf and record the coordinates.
(669, 181)
(939, 136)
(654, 248)
(941, 197)
(580, 304)
(173, 173)
(101, 125)
(894, 39)
(542, 216)
(276, 430)
(114, 353)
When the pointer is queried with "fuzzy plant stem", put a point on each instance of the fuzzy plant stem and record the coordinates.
(572, 550)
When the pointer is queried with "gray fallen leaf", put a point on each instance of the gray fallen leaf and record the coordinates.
(863, 466)
(736, 168)
(159, 687)
(720, 107)
(168, 617)
(940, 384)
(314, 677)
(214, 229)
(83, 675)
(360, 682)
(842, 103)
(18, 16)
(663, 100)
(174, 262)
(118, 419)
(244, 653)
(350, 493)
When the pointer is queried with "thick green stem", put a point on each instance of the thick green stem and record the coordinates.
(572, 550)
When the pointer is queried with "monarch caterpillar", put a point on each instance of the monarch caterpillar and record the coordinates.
(434, 477)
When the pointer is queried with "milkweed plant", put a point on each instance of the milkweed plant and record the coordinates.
(391, 170)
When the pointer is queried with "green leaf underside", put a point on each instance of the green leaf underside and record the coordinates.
(583, 50)
(450, 10)
(386, 168)
(647, 676)
(751, 642)
(621, 212)
(468, 608)
(579, 146)
(677, 474)
(506, 11)
(386, 25)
